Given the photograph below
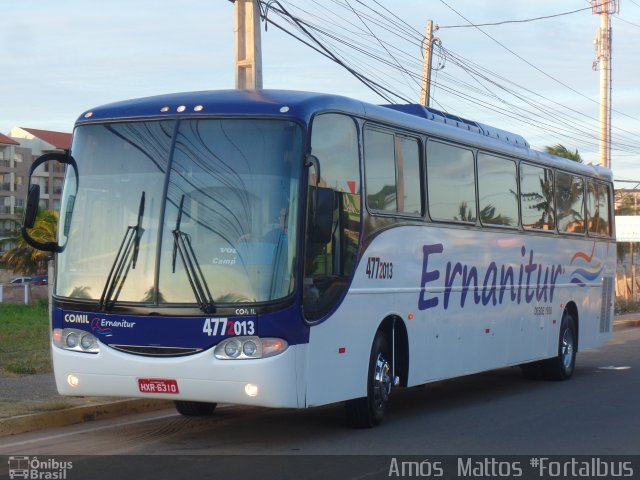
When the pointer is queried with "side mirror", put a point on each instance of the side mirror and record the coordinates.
(33, 200)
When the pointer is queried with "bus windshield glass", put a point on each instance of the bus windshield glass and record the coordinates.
(217, 198)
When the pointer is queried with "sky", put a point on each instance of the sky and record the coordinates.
(62, 58)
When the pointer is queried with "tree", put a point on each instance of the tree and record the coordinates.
(24, 259)
(560, 150)
(627, 204)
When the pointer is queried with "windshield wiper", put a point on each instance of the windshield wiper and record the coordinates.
(182, 245)
(126, 259)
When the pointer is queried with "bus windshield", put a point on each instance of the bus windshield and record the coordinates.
(214, 198)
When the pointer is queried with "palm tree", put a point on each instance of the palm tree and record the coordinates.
(22, 257)
(560, 150)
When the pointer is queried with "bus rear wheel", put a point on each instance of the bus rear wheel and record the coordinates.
(561, 366)
(194, 409)
(367, 412)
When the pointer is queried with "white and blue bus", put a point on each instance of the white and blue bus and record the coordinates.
(290, 249)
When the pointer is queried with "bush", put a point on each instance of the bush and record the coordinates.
(625, 306)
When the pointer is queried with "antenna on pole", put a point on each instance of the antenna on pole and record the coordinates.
(248, 56)
(603, 59)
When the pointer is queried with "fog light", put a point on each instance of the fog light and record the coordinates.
(72, 380)
(251, 390)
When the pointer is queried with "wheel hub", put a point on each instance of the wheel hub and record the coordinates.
(567, 349)
(382, 381)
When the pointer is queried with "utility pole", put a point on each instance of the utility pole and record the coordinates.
(603, 60)
(426, 68)
(248, 61)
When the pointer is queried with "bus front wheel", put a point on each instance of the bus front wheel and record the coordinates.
(367, 412)
(194, 409)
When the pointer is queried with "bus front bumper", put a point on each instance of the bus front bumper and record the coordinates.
(268, 382)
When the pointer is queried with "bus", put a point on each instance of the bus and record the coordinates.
(292, 249)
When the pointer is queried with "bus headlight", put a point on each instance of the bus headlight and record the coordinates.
(232, 348)
(75, 340)
(243, 348)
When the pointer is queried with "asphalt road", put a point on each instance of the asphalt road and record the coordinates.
(597, 412)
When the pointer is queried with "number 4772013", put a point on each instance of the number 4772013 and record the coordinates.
(223, 326)
(378, 269)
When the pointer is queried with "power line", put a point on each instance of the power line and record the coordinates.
(504, 22)
(531, 64)
(356, 45)
(366, 81)
(626, 21)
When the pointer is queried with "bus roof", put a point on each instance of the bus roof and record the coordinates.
(303, 105)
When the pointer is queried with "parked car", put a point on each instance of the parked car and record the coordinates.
(40, 280)
(20, 280)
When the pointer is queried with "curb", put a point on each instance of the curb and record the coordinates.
(627, 323)
(85, 413)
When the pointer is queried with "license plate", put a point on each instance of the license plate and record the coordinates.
(157, 385)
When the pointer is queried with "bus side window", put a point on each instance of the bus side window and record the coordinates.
(598, 209)
(536, 197)
(329, 266)
(604, 209)
(570, 203)
(392, 173)
(497, 191)
(451, 183)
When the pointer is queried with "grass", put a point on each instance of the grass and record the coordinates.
(24, 339)
(13, 408)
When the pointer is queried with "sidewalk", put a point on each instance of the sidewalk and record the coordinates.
(32, 402)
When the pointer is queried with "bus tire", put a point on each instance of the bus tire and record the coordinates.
(367, 412)
(562, 365)
(194, 409)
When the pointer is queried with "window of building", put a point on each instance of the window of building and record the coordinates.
(536, 197)
(497, 190)
(57, 186)
(569, 203)
(451, 183)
